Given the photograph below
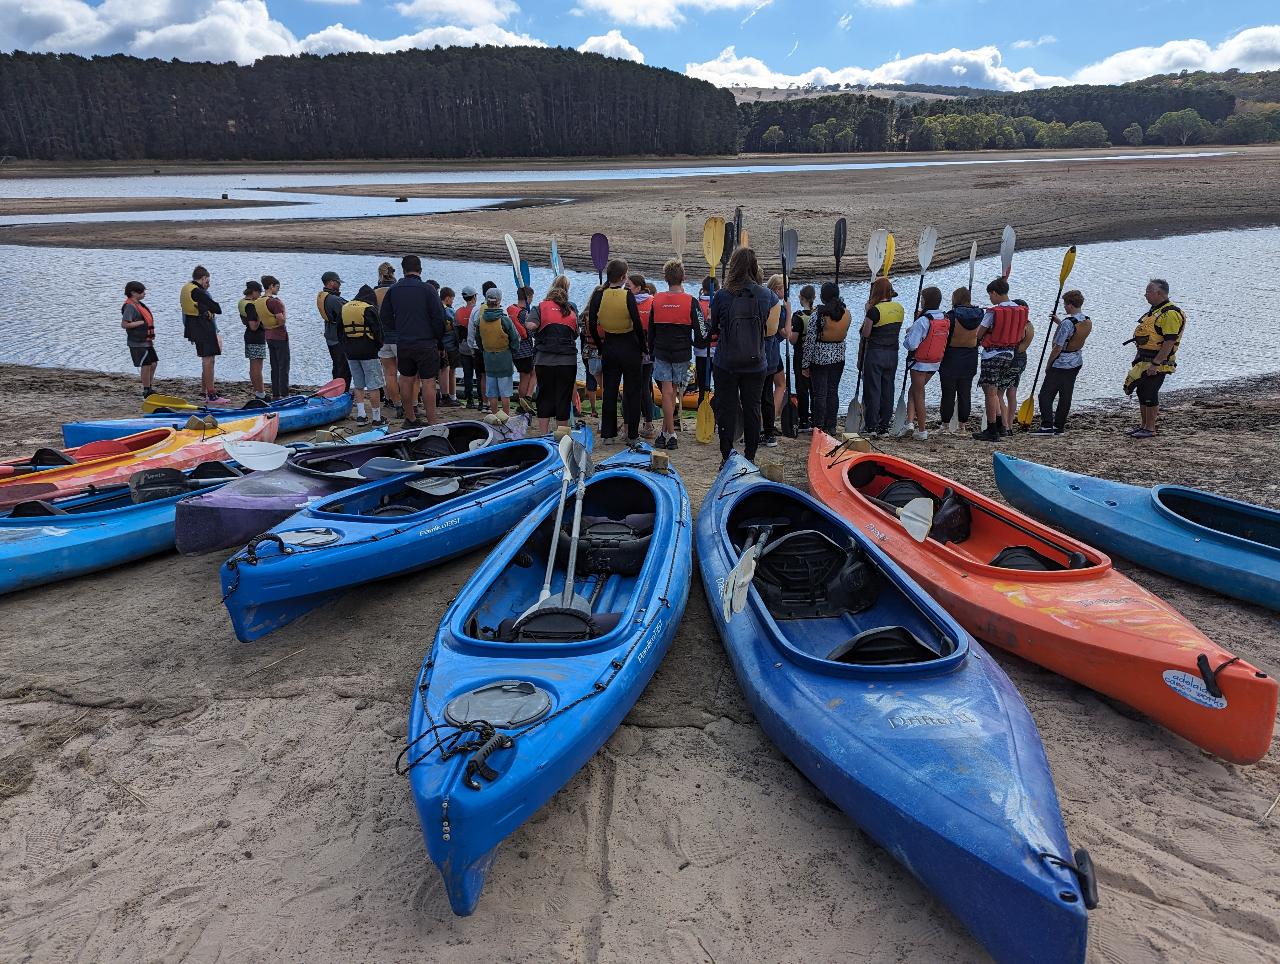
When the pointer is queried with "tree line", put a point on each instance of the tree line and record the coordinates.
(553, 102)
(445, 102)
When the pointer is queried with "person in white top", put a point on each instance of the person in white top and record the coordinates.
(925, 342)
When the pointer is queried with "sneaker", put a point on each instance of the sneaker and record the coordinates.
(991, 433)
(148, 392)
(608, 439)
(1142, 433)
(379, 422)
(770, 442)
(1044, 431)
(646, 430)
(471, 404)
(410, 423)
(399, 411)
(672, 443)
(920, 435)
(449, 403)
(362, 419)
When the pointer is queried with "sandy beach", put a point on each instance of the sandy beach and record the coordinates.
(167, 793)
(1051, 204)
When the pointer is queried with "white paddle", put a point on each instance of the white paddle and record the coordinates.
(679, 235)
(1008, 239)
(877, 251)
(259, 456)
(916, 516)
(924, 254)
(514, 253)
(581, 467)
(566, 455)
(973, 261)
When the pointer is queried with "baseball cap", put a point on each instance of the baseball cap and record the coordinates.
(494, 296)
(468, 292)
(330, 276)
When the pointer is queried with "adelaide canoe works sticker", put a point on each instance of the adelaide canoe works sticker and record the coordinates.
(1192, 687)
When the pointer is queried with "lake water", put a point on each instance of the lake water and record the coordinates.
(63, 304)
(259, 187)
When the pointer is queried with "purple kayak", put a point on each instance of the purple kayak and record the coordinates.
(237, 512)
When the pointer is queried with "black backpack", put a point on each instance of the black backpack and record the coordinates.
(741, 345)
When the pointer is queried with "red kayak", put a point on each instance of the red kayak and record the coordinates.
(1057, 602)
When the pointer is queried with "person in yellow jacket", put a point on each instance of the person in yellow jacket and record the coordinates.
(882, 321)
(1156, 338)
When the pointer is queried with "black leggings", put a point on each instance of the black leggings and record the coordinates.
(1059, 382)
(341, 369)
(957, 397)
(622, 363)
(1149, 390)
(734, 391)
(471, 375)
(555, 391)
(278, 353)
(825, 395)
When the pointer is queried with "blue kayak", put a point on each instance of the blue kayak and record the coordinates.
(900, 717)
(385, 528)
(297, 413)
(508, 705)
(1222, 544)
(43, 542)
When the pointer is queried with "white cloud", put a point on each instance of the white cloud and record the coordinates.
(612, 44)
(977, 68)
(239, 30)
(338, 39)
(1257, 48)
(845, 22)
(1038, 42)
(472, 13)
(336, 3)
(663, 14)
(754, 10)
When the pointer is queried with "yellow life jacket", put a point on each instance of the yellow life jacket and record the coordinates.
(265, 316)
(1083, 329)
(491, 334)
(891, 313)
(187, 300)
(320, 305)
(834, 329)
(354, 325)
(1149, 336)
(613, 317)
(240, 308)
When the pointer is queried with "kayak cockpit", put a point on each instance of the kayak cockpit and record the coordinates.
(1252, 523)
(455, 440)
(971, 531)
(615, 543)
(409, 494)
(147, 485)
(830, 600)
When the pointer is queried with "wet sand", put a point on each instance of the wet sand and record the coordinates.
(83, 205)
(168, 793)
(1050, 204)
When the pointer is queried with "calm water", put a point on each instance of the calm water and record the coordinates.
(63, 304)
(312, 206)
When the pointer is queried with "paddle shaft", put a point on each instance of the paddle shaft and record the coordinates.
(1045, 347)
(555, 536)
(566, 599)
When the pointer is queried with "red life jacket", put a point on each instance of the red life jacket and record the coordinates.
(549, 314)
(146, 314)
(671, 308)
(462, 318)
(513, 312)
(935, 342)
(1008, 326)
(646, 313)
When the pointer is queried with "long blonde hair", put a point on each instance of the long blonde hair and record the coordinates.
(559, 294)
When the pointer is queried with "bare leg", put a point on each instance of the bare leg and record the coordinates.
(429, 400)
(668, 407)
(206, 375)
(392, 379)
(408, 392)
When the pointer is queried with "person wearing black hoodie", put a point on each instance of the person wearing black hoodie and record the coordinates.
(960, 360)
(360, 334)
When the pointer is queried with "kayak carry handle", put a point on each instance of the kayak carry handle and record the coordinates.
(1086, 876)
(1210, 676)
(477, 765)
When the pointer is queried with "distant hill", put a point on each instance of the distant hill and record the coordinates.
(906, 93)
(1261, 87)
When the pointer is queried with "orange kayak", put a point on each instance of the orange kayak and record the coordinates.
(1057, 602)
(113, 461)
(689, 401)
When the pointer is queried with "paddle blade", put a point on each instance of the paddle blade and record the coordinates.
(890, 249)
(514, 253)
(877, 248)
(1068, 262)
(925, 247)
(330, 389)
(730, 239)
(790, 249)
(557, 267)
(1008, 240)
(733, 598)
(259, 456)
(1026, 411)
(384, 465)
(566, 450)
(580, 462)
(712, 242)
(840, 238)
(599, 251)
(917, 518)
(156, 401)
(524, 272)
(438, 486)
(737, 225)
(679, 234)
(705, 424)
(973, 263)
(899, 424)
(853, 417)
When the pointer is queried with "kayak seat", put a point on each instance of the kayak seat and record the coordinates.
(329, 465)
(901, 491)
(33, 508)
(44, 458)
(556, 625)
(805, 574)
(885, 646)
(395, 508)
(952, 517)
(611, 546)
(254, 403)
(431, 447)
(1026, 559)
(208, 471)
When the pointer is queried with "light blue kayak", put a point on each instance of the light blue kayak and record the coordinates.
(43, 542)
(1223, 544)
(895, 712)
(297, 413)
(509, 706)
(385, 528)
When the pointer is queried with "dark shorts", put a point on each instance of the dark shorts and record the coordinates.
(421, 361)
(455, 359)
(1001, 372)
(1148, 390)
(204, 336)
(524, 365)
(143, 356)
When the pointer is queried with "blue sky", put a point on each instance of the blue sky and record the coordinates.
(1003, 44)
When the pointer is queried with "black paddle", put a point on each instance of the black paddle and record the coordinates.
(788, 243)
(730, 239)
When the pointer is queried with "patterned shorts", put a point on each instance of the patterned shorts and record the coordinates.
(1000, 371)
(255, 350)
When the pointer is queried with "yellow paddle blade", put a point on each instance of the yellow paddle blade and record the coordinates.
(890, 248)
(713, 242)
(705, 426)
(1026, 412)
(155, 401)
(1068, 262)
(744, 239)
